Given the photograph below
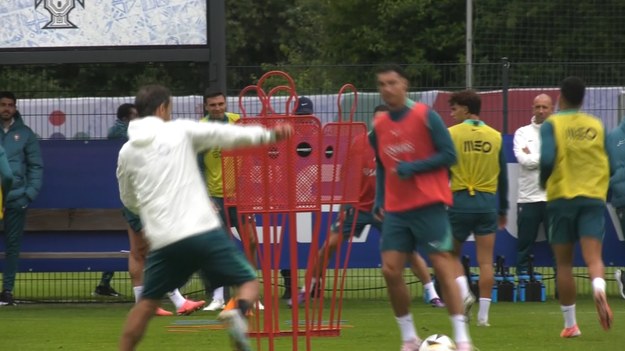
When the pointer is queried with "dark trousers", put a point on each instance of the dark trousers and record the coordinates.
(106, 278)
(529, 217)
(14, 222)
(620, 212)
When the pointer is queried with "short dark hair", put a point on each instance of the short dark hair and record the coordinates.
(391, 67)
(8, 95)
(123, 111)
(468, 98)
(150, 97)
(572, 90)
(211, 93)
(380, 108)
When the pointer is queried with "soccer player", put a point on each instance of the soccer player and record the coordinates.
(413, 152)
(476, 180)
(136, 235)
(615, 146)
(532, 200)
(211, 167)
(158, 179)
(125, 113)
(361, 213)
(575, 171)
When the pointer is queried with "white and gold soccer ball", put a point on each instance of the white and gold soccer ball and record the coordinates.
(437, 342)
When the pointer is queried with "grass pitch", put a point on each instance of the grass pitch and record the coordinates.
(515, 326)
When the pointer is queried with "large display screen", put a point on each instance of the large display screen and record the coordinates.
(32, 24)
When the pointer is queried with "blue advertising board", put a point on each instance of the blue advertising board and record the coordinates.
(81, 174)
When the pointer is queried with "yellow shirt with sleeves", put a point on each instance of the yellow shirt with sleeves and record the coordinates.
(213, 172)
(581, 164)
(478, 147)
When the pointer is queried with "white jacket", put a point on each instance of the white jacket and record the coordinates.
(159, 177)
(529, 185)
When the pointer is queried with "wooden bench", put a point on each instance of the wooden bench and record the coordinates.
(73, 219)
(71, 255)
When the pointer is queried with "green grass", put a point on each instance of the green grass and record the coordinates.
(515, 326)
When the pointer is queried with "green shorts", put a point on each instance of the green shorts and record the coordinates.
(571, 219)
(362, 218)
(212, 253)
(132, 219)
(465, 224)
(426, 227)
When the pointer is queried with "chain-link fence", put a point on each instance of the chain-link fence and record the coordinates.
(80, 101)
(507, 88)
(361, 283)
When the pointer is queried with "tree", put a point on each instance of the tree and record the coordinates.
(359, 34)
(547, 40)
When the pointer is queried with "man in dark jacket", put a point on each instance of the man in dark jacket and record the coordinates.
(125, 113)
(22, 150)
(615, 145)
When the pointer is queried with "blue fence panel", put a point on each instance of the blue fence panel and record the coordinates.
(81, 174)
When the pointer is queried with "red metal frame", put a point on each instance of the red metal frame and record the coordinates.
(275, 184)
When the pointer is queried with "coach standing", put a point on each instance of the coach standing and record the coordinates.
(532, 200)
(24, 155)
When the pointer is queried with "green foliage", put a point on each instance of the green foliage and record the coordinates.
(324, 44)
(37, 81)
(546, 32)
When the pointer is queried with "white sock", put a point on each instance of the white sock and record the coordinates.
(406, 327)
(177, 298)
(313, 281)
(463, 283)
(482, 314)
(598, 284)
(461, 330)
(430, 291)
(218, 294)
(569, 315)
(137, 290)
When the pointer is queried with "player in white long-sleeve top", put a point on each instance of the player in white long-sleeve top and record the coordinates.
(159, 180)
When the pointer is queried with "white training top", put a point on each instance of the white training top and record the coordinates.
(159, 177)
(529, 173)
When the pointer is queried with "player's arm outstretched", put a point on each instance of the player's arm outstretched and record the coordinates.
(207, 135)
(445, 155)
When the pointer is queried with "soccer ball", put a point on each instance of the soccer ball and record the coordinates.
(437, 342)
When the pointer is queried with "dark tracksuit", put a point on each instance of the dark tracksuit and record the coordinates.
(615, 146)
(22, 149)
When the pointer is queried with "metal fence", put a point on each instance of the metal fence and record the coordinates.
(80, 101)
(361, 283)
(94, 91)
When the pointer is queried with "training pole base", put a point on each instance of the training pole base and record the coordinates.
(325, 332)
